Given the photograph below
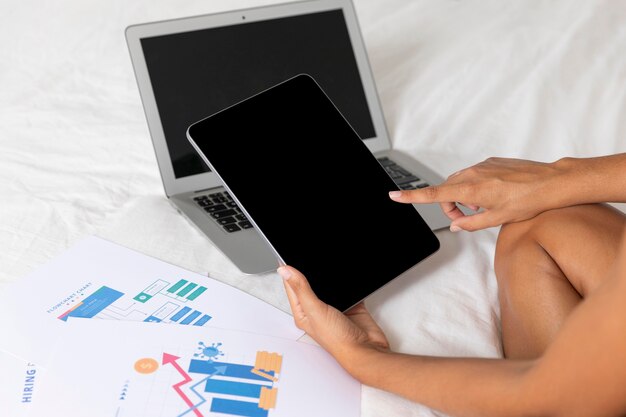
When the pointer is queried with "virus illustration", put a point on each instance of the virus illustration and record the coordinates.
(210, 353)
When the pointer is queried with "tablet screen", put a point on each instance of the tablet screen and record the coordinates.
(314, 190)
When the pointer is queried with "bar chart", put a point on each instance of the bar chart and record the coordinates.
(183, 290)
(239, 389)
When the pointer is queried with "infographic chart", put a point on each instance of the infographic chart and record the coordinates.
(98, 279)
(225, 388)
(159, 301)
(189, 371)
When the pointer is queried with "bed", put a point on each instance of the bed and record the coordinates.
(459, 81)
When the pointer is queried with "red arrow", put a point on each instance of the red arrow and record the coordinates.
(167, 358)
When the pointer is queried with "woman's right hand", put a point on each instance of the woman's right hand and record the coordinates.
(500, 190)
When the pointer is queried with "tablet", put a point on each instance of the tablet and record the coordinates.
(313, 190)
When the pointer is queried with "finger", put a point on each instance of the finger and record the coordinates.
(472, 207)
(451, 210)
(475, 222)
(433, 194)
(302, 291)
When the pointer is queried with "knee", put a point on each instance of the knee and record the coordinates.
(518, 243)
(512, 239)
(516, 240)
(552, 225)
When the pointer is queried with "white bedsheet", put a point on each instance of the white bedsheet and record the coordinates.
(459, 81)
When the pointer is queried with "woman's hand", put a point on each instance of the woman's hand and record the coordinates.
(507, 190)
(342, 335)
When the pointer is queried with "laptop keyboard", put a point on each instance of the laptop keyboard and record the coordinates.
(405, 179)
(224, 211)
(220, 206)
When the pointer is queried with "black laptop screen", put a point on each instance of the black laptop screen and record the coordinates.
(195, 74)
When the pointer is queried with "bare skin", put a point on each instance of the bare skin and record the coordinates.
(546, 266)
(561, 273)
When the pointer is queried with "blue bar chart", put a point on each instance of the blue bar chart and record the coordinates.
(237, 408)
(202, 320)
(180, 314)
(191, 317)
(242, 389)
(239, 389)
(235, 370)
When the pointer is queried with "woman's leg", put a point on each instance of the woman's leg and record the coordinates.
(546, 265)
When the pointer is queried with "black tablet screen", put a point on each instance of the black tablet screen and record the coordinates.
(314, 190)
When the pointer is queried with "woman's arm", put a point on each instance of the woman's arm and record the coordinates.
(512, 190)
(583, 373)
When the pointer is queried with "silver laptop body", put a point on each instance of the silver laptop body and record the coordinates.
(188, 184)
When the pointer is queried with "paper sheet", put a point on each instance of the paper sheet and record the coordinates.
(129, 369)
(100, 279)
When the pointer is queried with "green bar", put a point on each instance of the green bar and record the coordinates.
(196, 293)
(186, 290)
(177, 286)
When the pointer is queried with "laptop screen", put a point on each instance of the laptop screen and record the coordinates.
(195, 74)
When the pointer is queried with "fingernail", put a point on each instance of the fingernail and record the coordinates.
(455, 228)
(394, 194)
(284, 272)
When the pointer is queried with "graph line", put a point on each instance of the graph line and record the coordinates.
(171, 359)
(219, 370)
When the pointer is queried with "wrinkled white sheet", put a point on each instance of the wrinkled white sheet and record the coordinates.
(459, 80)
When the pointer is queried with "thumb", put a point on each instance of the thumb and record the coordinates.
(302, 299)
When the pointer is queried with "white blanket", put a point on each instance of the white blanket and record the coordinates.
(459, 81)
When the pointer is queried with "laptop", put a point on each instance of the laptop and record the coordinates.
(189, 68)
